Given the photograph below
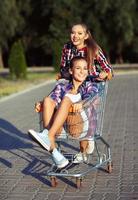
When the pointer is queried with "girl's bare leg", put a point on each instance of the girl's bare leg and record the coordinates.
(83, 145)
(59, 119)
(48, 111)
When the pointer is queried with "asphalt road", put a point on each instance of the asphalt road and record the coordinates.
(23, 162)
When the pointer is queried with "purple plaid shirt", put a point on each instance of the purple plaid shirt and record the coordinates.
(87, 89)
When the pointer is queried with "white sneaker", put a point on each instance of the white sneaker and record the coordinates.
(59, 159)
(80, 157)
(41, 137)
(90, 147)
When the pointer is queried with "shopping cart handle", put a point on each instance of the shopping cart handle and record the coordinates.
(93, 76)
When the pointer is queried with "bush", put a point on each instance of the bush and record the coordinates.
(17, 62)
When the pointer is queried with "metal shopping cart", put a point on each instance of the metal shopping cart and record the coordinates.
(86, 124)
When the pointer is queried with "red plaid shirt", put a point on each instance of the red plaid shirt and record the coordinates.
(69, 51)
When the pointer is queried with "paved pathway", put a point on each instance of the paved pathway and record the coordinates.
(23, 163)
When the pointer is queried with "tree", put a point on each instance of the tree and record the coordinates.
(64, 15)
(11, 22)
(17, 61)
(120, 29)
(131, 49)
(113, 25)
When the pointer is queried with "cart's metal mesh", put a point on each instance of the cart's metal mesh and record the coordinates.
(86, 124)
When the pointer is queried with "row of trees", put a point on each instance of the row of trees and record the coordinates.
(44, 25)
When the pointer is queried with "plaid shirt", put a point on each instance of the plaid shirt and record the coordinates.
(87, 89)
(69, 51)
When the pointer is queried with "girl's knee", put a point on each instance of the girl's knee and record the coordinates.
(49, 102)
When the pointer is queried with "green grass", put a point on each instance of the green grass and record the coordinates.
(8, 86)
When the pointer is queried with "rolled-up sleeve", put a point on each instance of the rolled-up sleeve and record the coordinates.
(56, 93)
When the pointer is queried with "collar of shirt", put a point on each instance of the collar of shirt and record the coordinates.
(69, 86)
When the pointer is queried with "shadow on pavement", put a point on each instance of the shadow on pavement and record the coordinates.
(11, 137)
(38, 169)
(16, 144)
(5, 162)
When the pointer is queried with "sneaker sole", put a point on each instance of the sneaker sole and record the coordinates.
(79, 162)
(39, 140)
(63, 165)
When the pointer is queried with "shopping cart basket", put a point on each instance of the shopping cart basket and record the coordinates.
(86, 124)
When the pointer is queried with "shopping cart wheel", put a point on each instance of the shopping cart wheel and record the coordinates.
(78, 182)
(53, 181)
(110, 167)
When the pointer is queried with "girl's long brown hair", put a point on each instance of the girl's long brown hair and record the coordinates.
(92, 46)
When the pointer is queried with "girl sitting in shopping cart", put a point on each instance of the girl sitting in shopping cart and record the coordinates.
(69, 94)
